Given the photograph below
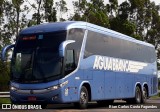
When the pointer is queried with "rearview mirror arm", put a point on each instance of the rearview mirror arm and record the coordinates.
(4, 50)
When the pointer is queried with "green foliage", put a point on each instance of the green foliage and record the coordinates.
(93, 12)
(4, 101)
(136, 36)
(4, 76)
(113, 6)
(137, 18)
(61, 7)
(1, 7)
(123, 26)
(50, 11)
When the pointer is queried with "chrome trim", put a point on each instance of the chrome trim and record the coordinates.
(41, 91)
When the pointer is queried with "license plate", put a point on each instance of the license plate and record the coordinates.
(32, 98)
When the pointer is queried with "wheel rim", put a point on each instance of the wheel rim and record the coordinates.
(83, 97)
(144, 94)
(138, 96)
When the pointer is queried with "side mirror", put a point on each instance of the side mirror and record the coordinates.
(4, 50)
(63, 46)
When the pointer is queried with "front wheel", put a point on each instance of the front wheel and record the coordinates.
(83, 101)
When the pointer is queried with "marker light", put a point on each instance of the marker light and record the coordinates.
(29, 38)
(13, 88)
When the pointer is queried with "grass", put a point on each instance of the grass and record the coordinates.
(156, 96)
(5, 100)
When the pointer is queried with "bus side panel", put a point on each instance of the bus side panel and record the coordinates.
(110, 85)
(71, 91)
(153, 85)
(98, 85)
(88, 74)
(125, 86)
(149, 84)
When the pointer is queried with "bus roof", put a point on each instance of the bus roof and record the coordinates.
(57, 26)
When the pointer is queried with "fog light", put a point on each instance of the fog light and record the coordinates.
(55, 97)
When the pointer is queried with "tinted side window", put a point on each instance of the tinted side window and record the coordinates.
(100, 44)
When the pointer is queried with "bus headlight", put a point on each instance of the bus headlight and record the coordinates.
(54, 87)
(58, 86)
(13, 88)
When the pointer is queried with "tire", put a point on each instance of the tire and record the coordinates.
(105, 102)
(83, 100)
(43, 106)
(130, 101)
(144, 95)
(138, 96)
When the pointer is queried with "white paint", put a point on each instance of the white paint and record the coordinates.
(66, 92)
(158, 74)
(115, 64)
(77, 78)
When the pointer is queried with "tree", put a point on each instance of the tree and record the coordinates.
(1, 7)
(80, 8)
(8, 27)
(45, 11)
(15, 18)
(1, 21)
(140, 14)
(4, 69)
(113, 6)
(153, 34)
(38, 15)
(16, 5)
(122, 26)
(94, 12)
(61, 8)
(50, 11)
(124, 10)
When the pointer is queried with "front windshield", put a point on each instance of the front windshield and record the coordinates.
(37, 61)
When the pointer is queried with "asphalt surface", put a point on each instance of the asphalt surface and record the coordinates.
(152, 105)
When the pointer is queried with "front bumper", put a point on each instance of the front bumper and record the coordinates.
(41, 96)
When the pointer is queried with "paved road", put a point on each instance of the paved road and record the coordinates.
(120, 106)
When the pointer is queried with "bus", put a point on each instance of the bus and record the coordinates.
(78, 62)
